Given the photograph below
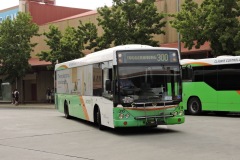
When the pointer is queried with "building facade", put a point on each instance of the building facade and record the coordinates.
(33, 86)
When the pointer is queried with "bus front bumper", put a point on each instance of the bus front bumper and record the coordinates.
(149, 121)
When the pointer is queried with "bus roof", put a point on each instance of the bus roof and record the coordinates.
(103, 55)
(220, 60)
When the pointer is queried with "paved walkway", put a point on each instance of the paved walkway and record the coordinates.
(31, 105)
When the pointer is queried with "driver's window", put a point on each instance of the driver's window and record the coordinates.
(107, 77)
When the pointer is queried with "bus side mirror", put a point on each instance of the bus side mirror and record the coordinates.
(108, 85)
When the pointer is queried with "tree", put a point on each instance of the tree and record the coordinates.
(129, 22)
(63, 47)
(15, 45)
(126, 22)
(215, 21)
(88, 33)
(53, 41)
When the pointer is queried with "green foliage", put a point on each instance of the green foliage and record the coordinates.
(71, 45)
(15, 45)
(215, 21)
(88, 32)
(129, 22)
(53, 41)
(63, 47)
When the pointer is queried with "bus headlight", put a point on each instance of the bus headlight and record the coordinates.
(181, 113)
(175, 113)
(121, 116)
(127, 116)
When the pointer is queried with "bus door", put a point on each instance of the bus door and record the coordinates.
(229, 87)
(205, 86)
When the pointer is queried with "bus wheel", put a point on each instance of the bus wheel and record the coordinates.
(66, 111)
(194, 106)
(99, 123)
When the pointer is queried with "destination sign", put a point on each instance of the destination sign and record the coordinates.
(154, 56)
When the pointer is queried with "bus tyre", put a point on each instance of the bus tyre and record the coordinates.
(99, 123)
(194, 106)
(66, 111)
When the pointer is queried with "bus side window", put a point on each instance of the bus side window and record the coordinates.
(108, 82)
(107, 93)
(187, 73)
(97, 80)
(108, 85)
(211, 76)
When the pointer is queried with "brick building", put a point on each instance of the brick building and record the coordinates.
(45, 13)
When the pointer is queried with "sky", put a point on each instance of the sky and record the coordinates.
(85, 4)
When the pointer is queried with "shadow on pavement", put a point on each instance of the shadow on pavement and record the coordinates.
(28, 105)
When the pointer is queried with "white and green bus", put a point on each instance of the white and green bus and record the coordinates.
(211, 84)
(89, 88)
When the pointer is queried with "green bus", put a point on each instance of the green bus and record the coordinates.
(90, 88)
(211, 84)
